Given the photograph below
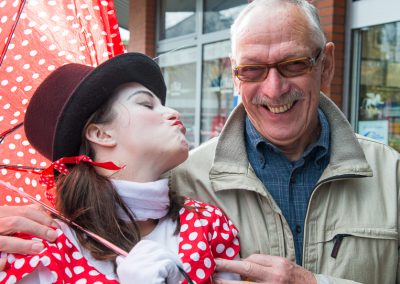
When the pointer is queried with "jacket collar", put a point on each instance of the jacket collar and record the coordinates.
(347, 156)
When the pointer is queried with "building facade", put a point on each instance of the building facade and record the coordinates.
(191, 41)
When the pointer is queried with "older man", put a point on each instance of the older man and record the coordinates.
(314, 202)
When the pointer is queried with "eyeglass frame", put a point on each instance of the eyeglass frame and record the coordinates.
(313, 61)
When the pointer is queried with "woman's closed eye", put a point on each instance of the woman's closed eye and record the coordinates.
(148, 105)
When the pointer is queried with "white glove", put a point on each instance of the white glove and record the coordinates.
(149, 262)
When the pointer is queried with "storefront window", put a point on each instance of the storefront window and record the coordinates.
(220, 14)
(177, 18)
(217, 89)
(379, 101)
(179, 69)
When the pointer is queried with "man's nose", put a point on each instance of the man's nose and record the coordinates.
(275, 84)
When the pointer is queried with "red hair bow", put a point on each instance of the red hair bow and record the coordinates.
(47, 175)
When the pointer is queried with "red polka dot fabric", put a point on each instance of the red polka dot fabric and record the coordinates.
(62, 259)
(47, 35)
(205, 234)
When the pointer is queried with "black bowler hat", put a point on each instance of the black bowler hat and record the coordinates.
(64, 101)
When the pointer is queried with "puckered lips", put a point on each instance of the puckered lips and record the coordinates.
(179, 123)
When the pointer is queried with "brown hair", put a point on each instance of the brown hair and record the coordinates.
(90, 200)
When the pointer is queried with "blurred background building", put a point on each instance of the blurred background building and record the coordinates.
(191, 40)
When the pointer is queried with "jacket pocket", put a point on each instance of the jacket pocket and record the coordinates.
(366, 255)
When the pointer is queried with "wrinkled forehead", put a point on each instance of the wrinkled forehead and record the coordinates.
(274, 25)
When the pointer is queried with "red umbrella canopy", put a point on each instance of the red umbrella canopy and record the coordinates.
(36, 37)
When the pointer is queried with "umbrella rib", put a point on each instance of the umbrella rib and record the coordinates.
(5, 133)
(65, 219)
(4, 51)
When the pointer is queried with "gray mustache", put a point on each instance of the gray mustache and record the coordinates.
(286, 98)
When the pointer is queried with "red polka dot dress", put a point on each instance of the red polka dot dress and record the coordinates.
(205, 234)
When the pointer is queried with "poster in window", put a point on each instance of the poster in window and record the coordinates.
(375, 129)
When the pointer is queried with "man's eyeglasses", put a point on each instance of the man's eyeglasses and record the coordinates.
(288, 68)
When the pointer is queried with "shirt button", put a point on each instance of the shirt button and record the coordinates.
(298, 229)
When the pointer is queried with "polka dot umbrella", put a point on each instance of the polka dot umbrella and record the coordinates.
(36, 37)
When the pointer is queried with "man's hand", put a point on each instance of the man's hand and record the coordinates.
(265, 269)
(30, 219)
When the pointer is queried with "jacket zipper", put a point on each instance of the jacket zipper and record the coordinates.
(345, 176)
(337, 243)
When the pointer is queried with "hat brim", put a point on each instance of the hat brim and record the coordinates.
(95, 89)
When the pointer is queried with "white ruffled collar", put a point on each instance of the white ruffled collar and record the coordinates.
(149, 200)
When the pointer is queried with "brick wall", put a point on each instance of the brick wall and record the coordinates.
(333, 15)
(142, 26)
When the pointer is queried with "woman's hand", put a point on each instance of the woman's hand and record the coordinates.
(29, 219)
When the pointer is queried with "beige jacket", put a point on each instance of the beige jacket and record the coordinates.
(356, 196)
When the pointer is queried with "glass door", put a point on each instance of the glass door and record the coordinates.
(378, 84)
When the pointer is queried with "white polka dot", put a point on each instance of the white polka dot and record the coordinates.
(6, 161)
(206, 213)
(68, 272)
(78, 269)
(93, 273)
(230, 252)
(225, 236)
(202, 245)
(4, 82)
(57, 255)
(200, 273)
(184, 227)
(33, 52)
(189, 216)
(3, 19)
(54, 277)
(46, 260)
(207, 262)
(186, 246)
(11, 280)
(77, 255)
(67, 258)
(195, 256)
(193, 236)
(225, 226)
(19, 263)
(17, 199)
(187, 267)
(34, 261)
(8, 198)
(220, 248)
(2, 275)
(9, 69)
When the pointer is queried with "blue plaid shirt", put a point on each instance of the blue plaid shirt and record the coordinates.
(289, 183)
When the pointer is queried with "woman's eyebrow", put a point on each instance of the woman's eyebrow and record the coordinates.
(139, 92)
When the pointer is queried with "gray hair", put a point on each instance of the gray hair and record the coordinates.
(309, 10)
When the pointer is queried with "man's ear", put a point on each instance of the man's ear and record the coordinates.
(328, 66)
(100, 135)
